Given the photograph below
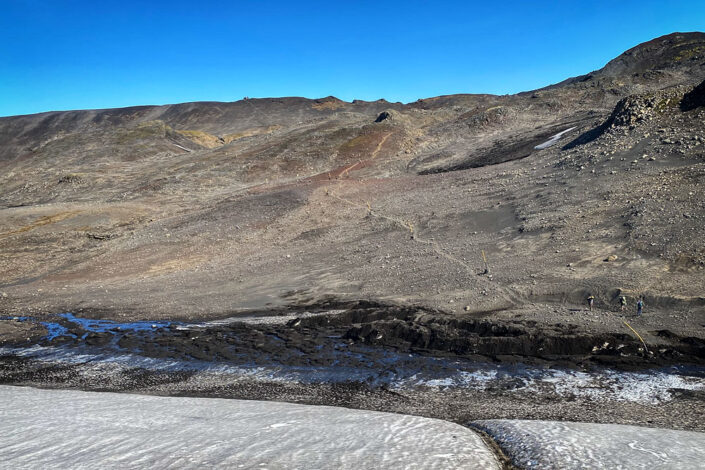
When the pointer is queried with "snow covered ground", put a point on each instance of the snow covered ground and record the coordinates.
(553, 140)
(550, 444)
(410, 371)
(262, 319)
(73, 429)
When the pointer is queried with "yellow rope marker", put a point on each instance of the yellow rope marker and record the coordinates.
(637, 335)
(484, 258)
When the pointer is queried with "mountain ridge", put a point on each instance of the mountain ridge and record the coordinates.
(613, 67)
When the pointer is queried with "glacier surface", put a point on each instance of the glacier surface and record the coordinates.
(75, 429)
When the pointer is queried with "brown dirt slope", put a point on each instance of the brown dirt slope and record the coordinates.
(203, 209)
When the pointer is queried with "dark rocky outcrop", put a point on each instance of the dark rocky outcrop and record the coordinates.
(384, 116)
(694, 98)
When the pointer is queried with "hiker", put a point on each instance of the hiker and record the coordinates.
(639, 307)
(591, 301)
(623, 302)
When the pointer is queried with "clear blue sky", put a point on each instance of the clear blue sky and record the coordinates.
(58, 55)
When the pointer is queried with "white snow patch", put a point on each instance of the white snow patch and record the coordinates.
(72, 429)
(553, 140)
(260, 319)
(550, 444)
(648, 387)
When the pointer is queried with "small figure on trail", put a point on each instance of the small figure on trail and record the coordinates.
(591, 301)
(623, 302)
(639, 307)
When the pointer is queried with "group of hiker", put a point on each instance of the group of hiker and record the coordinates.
(622, 303)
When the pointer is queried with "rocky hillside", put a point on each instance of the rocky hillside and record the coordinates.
(463, 203)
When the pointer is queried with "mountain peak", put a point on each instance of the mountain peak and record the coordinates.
(675, 50)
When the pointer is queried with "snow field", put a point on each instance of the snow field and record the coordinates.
(72, 429)
(565, 445)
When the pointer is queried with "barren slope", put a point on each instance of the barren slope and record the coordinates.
(204, 209)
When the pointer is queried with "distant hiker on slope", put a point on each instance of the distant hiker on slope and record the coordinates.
(623, 302)
(639, 307)
(591, 301)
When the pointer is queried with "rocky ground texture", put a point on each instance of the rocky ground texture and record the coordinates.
(461, 218)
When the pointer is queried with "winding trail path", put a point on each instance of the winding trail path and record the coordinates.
(374, 154)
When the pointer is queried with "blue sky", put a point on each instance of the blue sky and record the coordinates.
(58, 55)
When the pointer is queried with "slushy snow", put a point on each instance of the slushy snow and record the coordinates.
(73, 429)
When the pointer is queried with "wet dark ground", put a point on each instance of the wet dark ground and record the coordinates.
(374, 356)
(361, 334)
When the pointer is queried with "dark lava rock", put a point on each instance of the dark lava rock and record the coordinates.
(384, 116)
(695, 98)
(98, 339)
